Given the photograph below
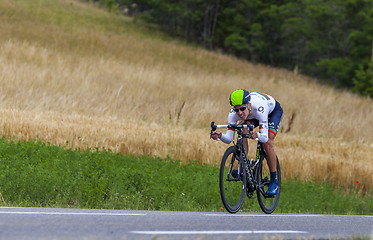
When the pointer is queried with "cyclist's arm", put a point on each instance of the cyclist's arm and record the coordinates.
(228, 136)
(263, 125)
(263, 131)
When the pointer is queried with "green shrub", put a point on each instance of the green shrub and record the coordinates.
(363, 81)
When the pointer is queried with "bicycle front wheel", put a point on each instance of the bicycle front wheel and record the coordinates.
(267, 203)
(232, 187)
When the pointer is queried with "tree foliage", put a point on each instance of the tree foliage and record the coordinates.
(331, 40)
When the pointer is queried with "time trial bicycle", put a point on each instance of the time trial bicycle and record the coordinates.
(240, 176)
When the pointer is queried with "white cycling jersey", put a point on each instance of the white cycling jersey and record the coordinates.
(262, 106)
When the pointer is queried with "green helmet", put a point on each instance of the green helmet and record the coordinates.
(239, 97)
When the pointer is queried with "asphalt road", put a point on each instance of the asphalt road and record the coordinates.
(50, 223)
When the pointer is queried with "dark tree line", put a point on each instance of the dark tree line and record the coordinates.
(328, 39)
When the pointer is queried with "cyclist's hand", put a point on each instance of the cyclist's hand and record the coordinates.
(216, 134)
(254, 134)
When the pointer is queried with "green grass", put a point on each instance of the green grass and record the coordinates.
(38, 174)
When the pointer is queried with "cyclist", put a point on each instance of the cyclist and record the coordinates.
(259, 110)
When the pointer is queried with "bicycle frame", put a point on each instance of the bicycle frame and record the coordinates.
(251, 173)
(250, 166)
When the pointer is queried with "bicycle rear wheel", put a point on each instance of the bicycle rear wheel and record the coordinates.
(232, 189)
(267, 203)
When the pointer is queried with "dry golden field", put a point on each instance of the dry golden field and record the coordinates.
(75, 75)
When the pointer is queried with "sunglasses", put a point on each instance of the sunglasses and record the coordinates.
(241, 108)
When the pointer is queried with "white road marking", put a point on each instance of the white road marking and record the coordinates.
(218, 232)
(75, 213)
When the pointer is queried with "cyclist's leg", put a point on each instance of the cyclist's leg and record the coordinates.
(270, 150)
(274, 120)
(272, 165)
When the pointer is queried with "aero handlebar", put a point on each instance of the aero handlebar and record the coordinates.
(233, 126)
